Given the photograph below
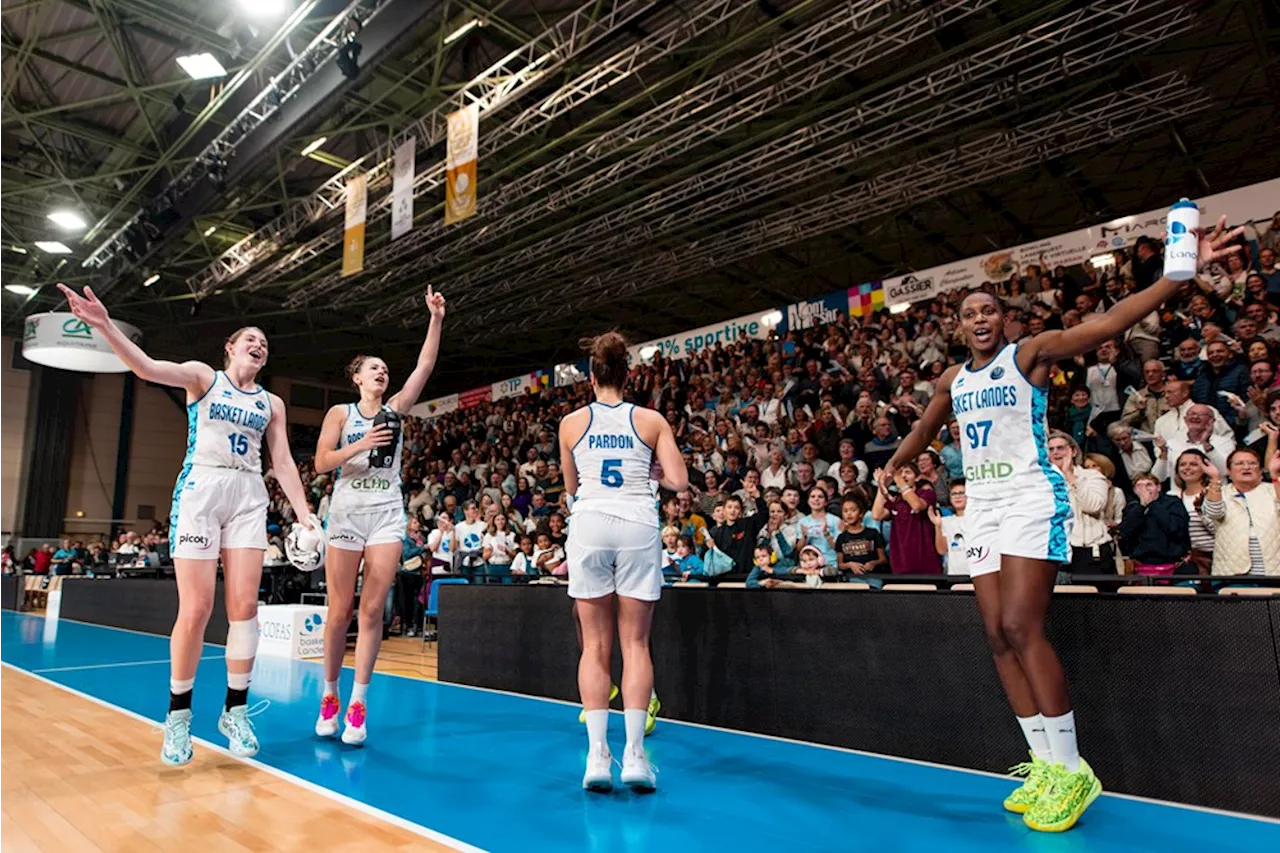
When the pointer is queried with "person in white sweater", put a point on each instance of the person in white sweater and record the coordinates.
(1172, 425)
(1197, 435)
(1245, 516)
(1092, 549)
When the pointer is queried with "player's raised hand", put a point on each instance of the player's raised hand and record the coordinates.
(435, 303)
(86, 308)
(1215, 243)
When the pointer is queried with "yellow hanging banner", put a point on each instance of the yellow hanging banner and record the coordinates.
(460, 187)
(353, 234)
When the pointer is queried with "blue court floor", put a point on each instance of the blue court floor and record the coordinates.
(502, 772)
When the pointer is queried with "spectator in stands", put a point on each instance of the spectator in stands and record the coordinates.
(859, 549)
(1190, 482)
(1222, 382)
(8, 562)
(819, 528)
(911, 534)
(880, 448)
(932, 472)
(443, 545)
(522, 562)
(499, 547)
(1187, 363)
(1076, 420)
(710, 495)
(1144, 407)
(781, 537)
(523, 498)
(1114, 510)
(1252, 414)
(41, 559)
(688, 564)
(1172, 425)
(1133, 456)
(548, 558)
(670, 536)
(413, 555)
(691, 523)
(949, 530)
(1155, 531)
(763, 571)
(1270, 274)
(1092, 548)
(1244, 515)
(64, 559)
(1199, 435)
(751, 494)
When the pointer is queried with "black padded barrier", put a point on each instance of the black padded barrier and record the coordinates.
(1176, 698)
(11, 592)
(137, 604)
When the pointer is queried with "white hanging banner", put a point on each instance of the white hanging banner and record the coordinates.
(62, 341)
(402, 189)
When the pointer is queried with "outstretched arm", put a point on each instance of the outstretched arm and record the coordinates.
(282, 463)
(194, 376)
(1048, 347)
(405, 399)
(935, 415)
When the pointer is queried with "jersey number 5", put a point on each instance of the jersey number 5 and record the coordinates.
(611, 473)
(239, 443)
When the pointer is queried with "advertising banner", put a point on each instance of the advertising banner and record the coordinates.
(754, 326)
(353, 233)
(61, 340)
(866, 299)
(474, 397)
(814, 312)
(435, 408)
(460, 162)
(402, 189)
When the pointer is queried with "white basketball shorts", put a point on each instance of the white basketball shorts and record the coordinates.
(215, 509)
(352, 531)
(1037, 526)
(611, 555)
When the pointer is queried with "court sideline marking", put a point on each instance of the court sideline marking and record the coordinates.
(111, 665)
(864, 753)
(357, 805)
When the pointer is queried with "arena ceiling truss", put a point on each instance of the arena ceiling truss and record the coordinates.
(647, 165)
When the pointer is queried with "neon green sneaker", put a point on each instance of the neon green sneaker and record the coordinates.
(1037, 772)
(651, 721)
(613, 694)
(1064, 799)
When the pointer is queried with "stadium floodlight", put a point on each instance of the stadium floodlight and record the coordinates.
(261, 9)
(53, 247)
(202, 66)
(900, 308)
(20, 289)
(772, 319)
(151, 279)
(314, 146)
(463, 30)
(67, 219)
(1100, 261)
(648, 352)
(208, 232)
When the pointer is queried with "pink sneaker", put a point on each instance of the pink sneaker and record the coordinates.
(327, 723)
(354, 733)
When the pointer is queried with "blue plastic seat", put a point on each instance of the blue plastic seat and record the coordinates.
(433, 602)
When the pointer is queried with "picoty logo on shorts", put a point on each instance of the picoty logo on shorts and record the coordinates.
(193, 539)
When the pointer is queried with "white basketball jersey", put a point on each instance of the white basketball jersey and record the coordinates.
(613, 466)
(358, 486)
(225, 427)
(1003, 433)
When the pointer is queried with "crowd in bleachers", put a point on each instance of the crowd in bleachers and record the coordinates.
(784, 439)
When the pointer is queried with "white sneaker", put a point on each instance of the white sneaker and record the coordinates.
(599, 775)
(327, 722)
(637, 774)
(354, 734)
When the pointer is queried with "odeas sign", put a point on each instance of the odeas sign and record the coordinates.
(291, 630)
(60, 340)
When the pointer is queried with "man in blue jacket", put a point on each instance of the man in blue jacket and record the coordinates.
(1222, 379)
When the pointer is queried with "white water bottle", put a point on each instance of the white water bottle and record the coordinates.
(1180, 241)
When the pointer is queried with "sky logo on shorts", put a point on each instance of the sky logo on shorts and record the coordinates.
(977, 553)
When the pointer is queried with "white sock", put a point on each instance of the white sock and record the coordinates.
(1062, 740)
(653, 693)
(238, 680)
(358, 692)
(1033, 729)
(177, 687)
(598, 728)
(635, 718)
(331, 688)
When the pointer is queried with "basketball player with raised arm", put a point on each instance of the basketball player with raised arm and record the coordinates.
(1018, 519)
(219, 508)
(614, 552)
(366, 518)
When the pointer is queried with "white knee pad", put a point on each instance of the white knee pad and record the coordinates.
(242, 639)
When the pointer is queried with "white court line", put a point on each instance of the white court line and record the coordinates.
(110, 665)
(917, 761)
(365, 808)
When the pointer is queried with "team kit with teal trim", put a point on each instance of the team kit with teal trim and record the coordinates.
(1018, 501)
(367, 507)
(220, 500)
(614, 545)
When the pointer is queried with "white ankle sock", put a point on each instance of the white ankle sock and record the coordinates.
(177, 687)
(1033, 728)
(653, 693)
(331, 688)
(238, 680)
(635, 718)
(1062, 740)
(598, 728)
(358, 692)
